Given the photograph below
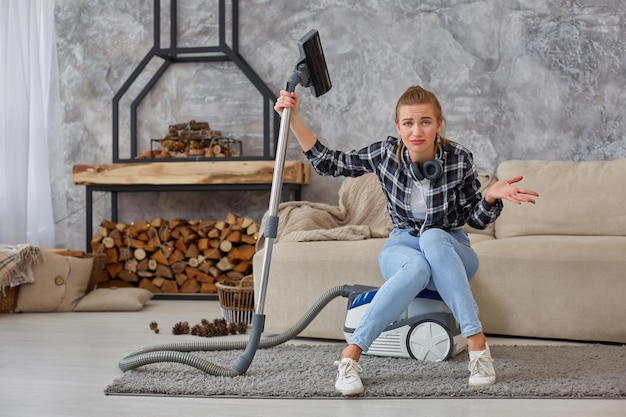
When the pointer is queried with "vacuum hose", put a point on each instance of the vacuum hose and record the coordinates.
(178, 352)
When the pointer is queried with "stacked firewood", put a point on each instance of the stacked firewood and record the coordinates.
(192, 139)
(176, 256)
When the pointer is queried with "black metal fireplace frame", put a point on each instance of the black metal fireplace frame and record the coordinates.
(174, 54)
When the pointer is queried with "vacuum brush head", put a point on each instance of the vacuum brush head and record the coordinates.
(311, 68)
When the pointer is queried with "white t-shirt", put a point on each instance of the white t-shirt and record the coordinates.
(418, 198)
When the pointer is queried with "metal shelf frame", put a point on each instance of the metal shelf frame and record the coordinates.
(174, 54)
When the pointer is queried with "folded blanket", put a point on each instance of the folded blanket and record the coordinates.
(16, 264)
(361, 214)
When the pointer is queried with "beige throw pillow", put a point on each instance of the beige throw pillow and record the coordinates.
(60, 282)
(114, 299)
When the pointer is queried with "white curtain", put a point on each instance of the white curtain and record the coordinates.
(27, 56)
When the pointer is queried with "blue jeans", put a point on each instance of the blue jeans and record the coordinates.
(438, 260)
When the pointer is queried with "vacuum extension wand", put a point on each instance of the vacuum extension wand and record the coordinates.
(271, 227)
(310, 71)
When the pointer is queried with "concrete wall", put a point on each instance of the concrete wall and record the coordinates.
(517, 79)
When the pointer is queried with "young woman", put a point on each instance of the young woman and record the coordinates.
(432, 190)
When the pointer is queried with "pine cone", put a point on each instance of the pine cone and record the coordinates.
(242, 327)
(154, 327)
(208, 331)
(196, 330)
(221, 324)
(181, 327)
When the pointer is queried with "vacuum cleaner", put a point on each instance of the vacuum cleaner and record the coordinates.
(418, 334)
(425, 331)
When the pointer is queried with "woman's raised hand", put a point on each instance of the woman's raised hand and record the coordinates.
(286, 100)
(505, 190)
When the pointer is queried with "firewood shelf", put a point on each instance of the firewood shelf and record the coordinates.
(231, 175)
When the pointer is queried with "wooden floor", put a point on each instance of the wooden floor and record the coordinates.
(59, 364)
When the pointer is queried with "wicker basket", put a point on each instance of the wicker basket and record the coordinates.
(8, 299)
(237, 302)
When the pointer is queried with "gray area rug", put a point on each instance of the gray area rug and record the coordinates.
(287, 371)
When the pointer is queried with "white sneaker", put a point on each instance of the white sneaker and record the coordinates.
(348, 379)
(481, 369)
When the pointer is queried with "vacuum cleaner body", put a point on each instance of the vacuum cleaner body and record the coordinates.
(426, 330)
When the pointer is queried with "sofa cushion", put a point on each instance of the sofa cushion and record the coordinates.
(479, 237)
(575, 198)
(561, 287)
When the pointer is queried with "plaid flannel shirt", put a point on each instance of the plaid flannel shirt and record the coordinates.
(451, 201)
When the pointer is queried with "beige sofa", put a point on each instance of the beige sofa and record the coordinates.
(556, 269)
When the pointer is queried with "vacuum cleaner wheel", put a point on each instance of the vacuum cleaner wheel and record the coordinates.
(430, 341)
